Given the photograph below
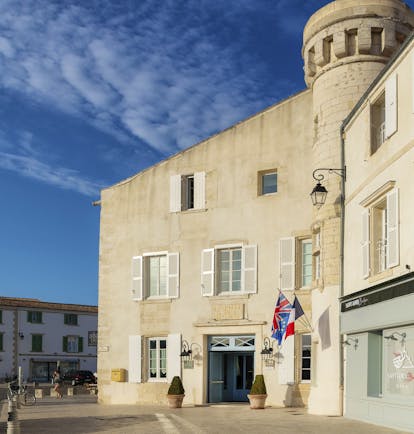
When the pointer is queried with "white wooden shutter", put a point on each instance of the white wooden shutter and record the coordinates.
(207, 272)
(173, 280)
(134, 369)
(412, 81)
(286, 367)
(136, 288)
(199, 190)
(365, 244)
(249, 264)
(173, 356)
(392, 244)
(391, 106)
(287, 263)
(175, 193)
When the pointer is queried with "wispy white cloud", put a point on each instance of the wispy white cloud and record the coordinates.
(57, 176)
(137, 71)
(26, 160)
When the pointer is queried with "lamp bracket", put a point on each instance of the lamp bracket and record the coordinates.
(320, 177)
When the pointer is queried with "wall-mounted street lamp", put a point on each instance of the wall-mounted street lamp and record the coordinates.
(319, 192)
(186, 352)
(350, 340)
(267, 351)
(396, 337)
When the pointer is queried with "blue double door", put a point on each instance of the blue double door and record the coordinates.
(230, 376)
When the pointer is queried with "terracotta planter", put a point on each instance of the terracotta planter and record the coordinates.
(257, 401)
(175, 401)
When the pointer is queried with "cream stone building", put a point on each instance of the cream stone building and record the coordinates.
(377, 307)
(194, 249)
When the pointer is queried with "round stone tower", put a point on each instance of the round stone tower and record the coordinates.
(345, 45)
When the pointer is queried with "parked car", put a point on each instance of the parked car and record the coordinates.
(79, 377)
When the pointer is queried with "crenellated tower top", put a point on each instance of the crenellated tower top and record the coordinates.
(347, 31)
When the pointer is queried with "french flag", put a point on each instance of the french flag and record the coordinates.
(295, 313)
(290, 328)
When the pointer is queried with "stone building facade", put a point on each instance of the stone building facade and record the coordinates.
(193, 249)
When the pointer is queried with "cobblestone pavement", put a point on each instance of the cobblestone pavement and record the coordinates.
(82, 415)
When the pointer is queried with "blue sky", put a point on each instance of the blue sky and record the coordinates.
(93, 92)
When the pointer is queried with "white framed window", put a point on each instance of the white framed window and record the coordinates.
(157, 359)
(306, 262)
(187, 192)
(380, 231)
(267, 182)
(384, 114)
(229, 269)
(305, 358)
(295, 263)
(378, 123)
(155, 275)
(187, 185)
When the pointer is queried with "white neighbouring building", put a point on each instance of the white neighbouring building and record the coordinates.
(377, 308)
(40, 336)
(193, 249)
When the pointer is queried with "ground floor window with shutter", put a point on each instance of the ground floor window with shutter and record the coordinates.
(229, 269)
(380, 238)
(157, 359)
(305, 358)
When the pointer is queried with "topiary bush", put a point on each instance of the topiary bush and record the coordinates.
(176, 387)
(259, 386)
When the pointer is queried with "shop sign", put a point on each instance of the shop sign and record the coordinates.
(400, 366)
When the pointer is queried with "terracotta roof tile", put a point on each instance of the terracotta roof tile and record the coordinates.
(34, 303)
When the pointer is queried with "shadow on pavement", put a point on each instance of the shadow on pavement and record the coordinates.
(80, 425)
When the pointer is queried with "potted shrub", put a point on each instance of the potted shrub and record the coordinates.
(175, 393)
(258, 393)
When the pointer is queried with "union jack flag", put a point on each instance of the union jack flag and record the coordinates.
(280, 318)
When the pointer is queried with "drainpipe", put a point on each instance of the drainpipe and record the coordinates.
(341, 267)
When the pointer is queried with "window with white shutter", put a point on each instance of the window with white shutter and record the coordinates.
(134, 368)
(365, 244)
(380, 233)
(175, 193)
(187, 192)
(207, 272)
(229, 270)
(199, 190)
(286, 365)
(287, 263)
(392, 245)
(249, 264)
(412, 82)
(136, 288)
(173, 356)
(391, 105)
(156, 275)
(173, 280)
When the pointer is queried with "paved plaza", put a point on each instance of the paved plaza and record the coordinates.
(82, 415)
